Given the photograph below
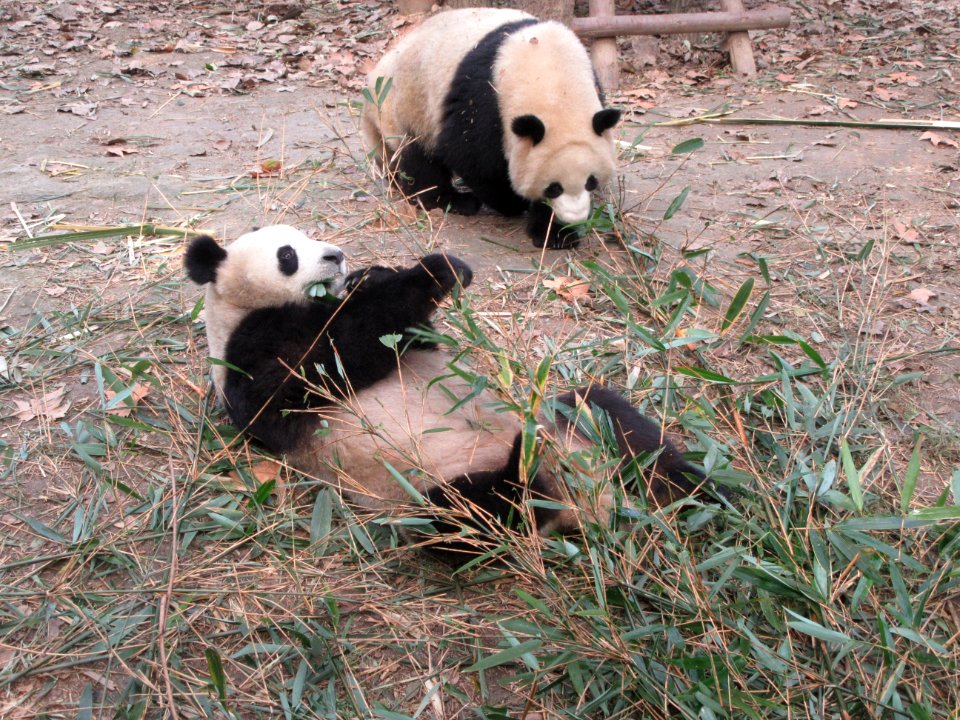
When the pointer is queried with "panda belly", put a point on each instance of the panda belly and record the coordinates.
(408, 423)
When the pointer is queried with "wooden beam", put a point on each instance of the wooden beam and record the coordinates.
(603, 51)
(676, 23)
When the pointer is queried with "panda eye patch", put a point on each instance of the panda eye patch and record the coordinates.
(287, 260)
(554, 190)
(591, 184)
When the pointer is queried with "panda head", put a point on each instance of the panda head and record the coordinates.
(562, 164)
(269, 267)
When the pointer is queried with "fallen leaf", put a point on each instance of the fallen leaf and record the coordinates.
(268, 168)
(263, 471)
(883, 94)
(875, 328)
(820, 110)
(844, 103)
(123, 408)
(785, 78)
(938, 139)
(905, 232)
(921, 295)
(903, 78)
(568, 288)
(55, 290)
(100, 248)
(120, 151)
(50, 406)
(84, 110)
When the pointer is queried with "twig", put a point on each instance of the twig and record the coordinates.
(23, 223)
(165, 600)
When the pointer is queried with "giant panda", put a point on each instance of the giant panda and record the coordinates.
(349, 391)
(505, 102)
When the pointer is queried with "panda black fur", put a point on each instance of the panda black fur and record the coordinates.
(505, 102)
(315, 381)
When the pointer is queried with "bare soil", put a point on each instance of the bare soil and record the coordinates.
(184, 114)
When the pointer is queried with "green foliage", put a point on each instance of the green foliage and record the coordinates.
(182, 561)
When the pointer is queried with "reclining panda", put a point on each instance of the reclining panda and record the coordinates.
(320, 381)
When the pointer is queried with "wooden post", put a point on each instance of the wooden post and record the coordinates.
(738, 44)
(606, 62)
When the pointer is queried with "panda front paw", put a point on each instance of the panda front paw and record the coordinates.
(544, 228)
(447, 271)
(371, 274)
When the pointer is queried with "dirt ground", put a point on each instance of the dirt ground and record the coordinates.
(194, 114)
(183, 113)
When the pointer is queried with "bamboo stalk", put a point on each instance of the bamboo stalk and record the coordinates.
(875, 125)
(145, 229)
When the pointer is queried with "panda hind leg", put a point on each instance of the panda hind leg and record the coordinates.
(545, 229)
(484, 501)
(422, 179)
(671, 476)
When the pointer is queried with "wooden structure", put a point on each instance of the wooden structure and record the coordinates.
(604, 25)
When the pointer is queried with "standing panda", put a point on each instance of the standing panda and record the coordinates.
(350, 393)
(505, 102)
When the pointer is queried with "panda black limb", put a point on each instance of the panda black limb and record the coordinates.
(346, 390)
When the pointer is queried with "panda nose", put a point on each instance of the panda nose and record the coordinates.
(335, 257)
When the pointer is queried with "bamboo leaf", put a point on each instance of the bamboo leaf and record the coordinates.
(687, 146)
(217, 677)
(504, 656)
(852, 475)
(910, 479)
(737, 305)
(676, 203)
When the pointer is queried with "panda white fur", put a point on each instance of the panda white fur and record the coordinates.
(314, 380)
(505, 102)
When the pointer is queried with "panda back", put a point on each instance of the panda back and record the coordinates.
(423, 66)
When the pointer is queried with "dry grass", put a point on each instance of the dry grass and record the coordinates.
(154, 565)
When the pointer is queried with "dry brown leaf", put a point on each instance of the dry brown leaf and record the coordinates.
(845, 103)
(100, 248)
(785, 77)
(904, 78)
(120, 151)
(938, 139)
(55, 290)
(50, 406)
(921, 295)
(883, 94)
(123, 409)
(905, 232)
(263, 470)
(568, 288)
(268, 168)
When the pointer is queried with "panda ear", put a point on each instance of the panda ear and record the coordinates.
(528, 126)
(605, 119)
(203, 258)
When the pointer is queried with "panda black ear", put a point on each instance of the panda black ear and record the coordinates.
(528, 126)
(203, 258)
(605, 119)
